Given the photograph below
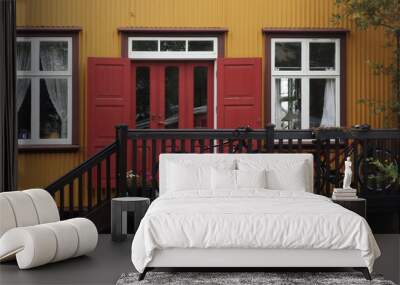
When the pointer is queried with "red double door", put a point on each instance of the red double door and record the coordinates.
(170, 95)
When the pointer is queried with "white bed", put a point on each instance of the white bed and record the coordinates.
(247, 226)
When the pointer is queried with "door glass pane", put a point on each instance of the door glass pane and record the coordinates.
(144, 45)
(23, 98)
(54, 56)
(53, 108)
(287, 56)
(200, 97)
(201, 45)
(142, 97)
(288, 103)
(171, 97)
(23, 56)
(322, 103)
(172, 45)
(322, 56)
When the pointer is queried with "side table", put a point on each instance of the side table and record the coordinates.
(119, 208)
(357, 205)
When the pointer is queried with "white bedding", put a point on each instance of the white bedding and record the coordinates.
(251, 218)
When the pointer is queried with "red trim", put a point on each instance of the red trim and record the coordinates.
(306, 33)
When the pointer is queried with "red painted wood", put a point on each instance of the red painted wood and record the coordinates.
(109, 100)
(239, 92)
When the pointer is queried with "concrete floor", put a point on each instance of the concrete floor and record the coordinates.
(103, 266)
(110, 260)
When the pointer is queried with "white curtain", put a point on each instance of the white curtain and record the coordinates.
(278, 108)
(52, 58)
(58, 92)
(22, 86)
(23, 63)
(329, 110)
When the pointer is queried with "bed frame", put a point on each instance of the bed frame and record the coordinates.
(240, 259)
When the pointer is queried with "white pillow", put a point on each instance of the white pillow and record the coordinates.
(188, 177)
(223, 179)
(251, 178)
(293, 178)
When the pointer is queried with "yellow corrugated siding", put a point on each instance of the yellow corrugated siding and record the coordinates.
(100, 19)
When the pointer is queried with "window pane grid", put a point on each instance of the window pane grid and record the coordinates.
(318, 78)
(51, 69)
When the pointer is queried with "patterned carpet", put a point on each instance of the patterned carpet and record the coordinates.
(243, 278)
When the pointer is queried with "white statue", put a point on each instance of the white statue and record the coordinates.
(347, 173)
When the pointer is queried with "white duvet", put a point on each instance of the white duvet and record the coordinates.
(253, 218)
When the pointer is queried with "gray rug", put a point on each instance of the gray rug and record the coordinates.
(236, 278)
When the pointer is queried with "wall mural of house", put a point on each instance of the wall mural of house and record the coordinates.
(86, 66)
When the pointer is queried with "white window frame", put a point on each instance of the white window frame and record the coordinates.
(35, 75)
(173, 54)
(305, 74)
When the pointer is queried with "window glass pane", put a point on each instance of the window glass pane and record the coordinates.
(171, 97)
(53, 56)
(322, 56)
(53, 108)
(200, 97)
(142, 97)
(288, 103)
(287, 56)
(172, 45)
(23, 101)
(201, 45)
(322, 103)
(23, 56)
(144, 45)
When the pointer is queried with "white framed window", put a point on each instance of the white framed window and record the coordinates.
(44, 90)
(305, 83)
(172, 47)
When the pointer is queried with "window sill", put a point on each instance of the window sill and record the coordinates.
(49, 148)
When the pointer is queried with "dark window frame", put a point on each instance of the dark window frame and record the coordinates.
(74, 33)
(273, 33)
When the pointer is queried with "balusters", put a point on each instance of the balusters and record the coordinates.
(337, 158)
(108, 178)
(62, 202)
(98, 194)
(90, 189)
(144, 163)
(80, 194)
(71, 199)
(201, 141)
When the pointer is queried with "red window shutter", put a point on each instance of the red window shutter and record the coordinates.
(109, 100)
(239, 92)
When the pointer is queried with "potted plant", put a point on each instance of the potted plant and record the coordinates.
(382, 174)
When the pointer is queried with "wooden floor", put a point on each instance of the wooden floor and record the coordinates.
(110, 260)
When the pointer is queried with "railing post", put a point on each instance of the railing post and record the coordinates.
(121, 158)
(269, 133)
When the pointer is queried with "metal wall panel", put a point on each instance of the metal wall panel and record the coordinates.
(100, 19)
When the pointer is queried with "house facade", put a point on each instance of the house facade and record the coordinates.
(85, 66)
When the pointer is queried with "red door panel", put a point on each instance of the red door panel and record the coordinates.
(109, 100)
(239, 92)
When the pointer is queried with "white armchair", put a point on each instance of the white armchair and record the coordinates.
(31, 230)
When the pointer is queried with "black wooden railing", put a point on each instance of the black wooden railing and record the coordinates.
(104, 175)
